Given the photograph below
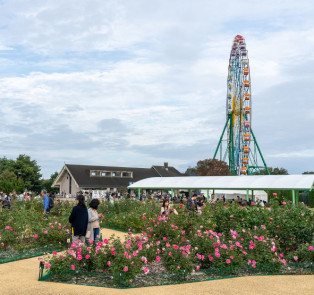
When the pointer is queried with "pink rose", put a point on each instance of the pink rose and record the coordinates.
(54, 253)
(35, 236)
(87, 257)
(73, 267)
(146, 270)
(157, 258)
(125, 269)
(311, 248)
(45, 232)
(106, 241)
(108, 263)
(198, 267)
(228, 261)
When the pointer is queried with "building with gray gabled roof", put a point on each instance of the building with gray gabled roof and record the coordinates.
(74, 178)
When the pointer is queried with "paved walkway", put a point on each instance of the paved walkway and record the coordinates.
(21, 277)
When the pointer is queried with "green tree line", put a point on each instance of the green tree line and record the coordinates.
(22, 174)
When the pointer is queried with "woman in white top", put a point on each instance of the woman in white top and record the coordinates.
(93, 227)
(166, 209)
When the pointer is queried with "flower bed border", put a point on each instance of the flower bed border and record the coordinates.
(297, 270)
(25, 255)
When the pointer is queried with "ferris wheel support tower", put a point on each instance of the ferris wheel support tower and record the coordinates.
(241, 146)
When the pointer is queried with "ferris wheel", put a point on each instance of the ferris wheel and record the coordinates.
(242, 158)
(239, 106)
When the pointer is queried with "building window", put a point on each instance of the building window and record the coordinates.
(106, 173)
(116, 174)
(103, 173)
(95, 173)
(127, 174)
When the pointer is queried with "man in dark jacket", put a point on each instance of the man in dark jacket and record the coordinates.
(190, 204)
(79, 220)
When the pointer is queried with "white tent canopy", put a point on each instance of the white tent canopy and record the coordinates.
(260, 182)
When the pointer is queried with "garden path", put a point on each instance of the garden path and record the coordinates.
(21, 278)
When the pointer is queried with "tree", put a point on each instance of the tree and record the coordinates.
(190, 171)
(29, 171)
(273, 171)
(26, 173)
(6, 164)
(7, 175)
(212, 167)
(308, 172)
(47, 183)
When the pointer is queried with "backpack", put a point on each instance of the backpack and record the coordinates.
(51, 203)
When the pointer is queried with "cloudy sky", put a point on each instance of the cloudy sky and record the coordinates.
(137, 82)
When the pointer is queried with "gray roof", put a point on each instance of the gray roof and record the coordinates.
(81, 175)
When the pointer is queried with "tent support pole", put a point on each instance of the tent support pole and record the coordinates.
(247, 195)
(293, 197)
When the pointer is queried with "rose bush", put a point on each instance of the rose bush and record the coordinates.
(25, 227)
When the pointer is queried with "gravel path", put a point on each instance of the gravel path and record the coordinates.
(21, 277)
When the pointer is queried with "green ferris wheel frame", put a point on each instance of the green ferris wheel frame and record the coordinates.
(253, 166)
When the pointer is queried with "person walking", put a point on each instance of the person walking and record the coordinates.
(45, 202)
(93, 228)
(79, 220)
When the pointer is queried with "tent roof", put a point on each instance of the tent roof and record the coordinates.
(274, 182)
(237, 192)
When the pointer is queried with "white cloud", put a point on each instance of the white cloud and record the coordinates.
(160, 68)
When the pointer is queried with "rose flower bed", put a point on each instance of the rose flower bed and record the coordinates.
(26, 232)
(224, 241)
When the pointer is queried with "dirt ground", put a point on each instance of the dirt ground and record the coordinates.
(21, 277)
